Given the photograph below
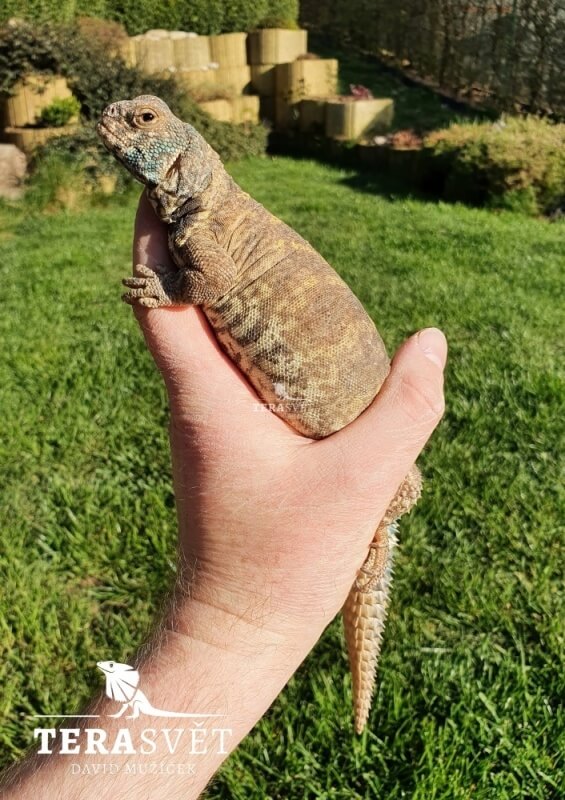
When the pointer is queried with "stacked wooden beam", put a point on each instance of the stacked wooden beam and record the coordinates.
(20, 110)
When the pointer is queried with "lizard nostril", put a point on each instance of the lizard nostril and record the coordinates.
(111, 110)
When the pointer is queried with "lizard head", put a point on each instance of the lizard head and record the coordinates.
(166, 154)
(121, 680)
(112, 667)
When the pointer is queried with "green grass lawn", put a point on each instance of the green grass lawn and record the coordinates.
(471, 683)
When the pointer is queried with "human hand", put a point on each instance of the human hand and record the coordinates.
(274, 526)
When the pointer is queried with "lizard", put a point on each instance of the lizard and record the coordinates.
(121, 685)
(280, 312)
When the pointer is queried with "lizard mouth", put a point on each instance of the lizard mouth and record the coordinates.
(107, 136)
(112, 135)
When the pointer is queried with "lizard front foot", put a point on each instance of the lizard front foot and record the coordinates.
(153, 287)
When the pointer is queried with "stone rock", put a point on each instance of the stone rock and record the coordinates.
(13, 168)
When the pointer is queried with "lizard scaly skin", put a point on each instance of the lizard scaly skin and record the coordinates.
(277, 308)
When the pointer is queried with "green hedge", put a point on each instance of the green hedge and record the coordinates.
(516, 163)
(51, 10)
(201, 16)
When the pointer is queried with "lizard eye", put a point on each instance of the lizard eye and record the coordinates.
(145, 118)
(111, 665)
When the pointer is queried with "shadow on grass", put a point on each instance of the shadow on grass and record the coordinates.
(392, 183)
(386, 184)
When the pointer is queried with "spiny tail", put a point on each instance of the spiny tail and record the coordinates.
(364, 617)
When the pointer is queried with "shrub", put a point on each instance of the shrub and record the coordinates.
(77, 156)
(40, 11)
(67, 167)
(58, 182)
(59, 112)
(232, 142)
(279, 14)
(516, 163)
(25, 49)
(137, 16)
(97, 79)
(242, 15)
(95, 75)
(105, 33)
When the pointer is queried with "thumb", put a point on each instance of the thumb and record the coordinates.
(377, 450)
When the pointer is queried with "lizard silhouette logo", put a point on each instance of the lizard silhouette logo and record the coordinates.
(122, 685)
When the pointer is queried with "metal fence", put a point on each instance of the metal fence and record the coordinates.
(508, 54)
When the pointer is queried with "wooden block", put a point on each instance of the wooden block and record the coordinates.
(312, 115)
(224, 83)
(276, 45)
(29, 97)
(27, 139)
(190, 52)
(126, 50)
(350, 119)
(235, 110)
(233, 80)
(158, 33)
(286, 114)
(229, 49)
(219, 109)
(306, 78)
(245, 109)
(263, 79)
(154, 54)
(197, 80)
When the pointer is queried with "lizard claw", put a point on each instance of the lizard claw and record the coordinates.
(148, 291)
(151, 287)
(135, 283)
(149, 272)
(136, 297)
(149, 302)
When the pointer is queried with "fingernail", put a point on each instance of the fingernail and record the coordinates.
(433, 345)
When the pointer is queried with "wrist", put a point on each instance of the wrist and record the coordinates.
(229, 666)
(258, 587)
(242, 623)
